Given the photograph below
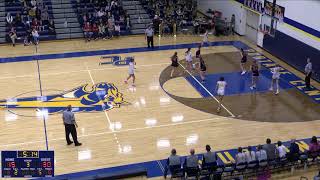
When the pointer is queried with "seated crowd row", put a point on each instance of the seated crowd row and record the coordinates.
(102, 18)
(32, 16)
(265, 154)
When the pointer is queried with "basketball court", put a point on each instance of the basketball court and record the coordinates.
(143, 123)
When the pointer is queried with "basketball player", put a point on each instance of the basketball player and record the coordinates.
(174, 63)
(132, 63)
(255, 74)
(198, 52)
(188, 55)
(243, 61)
(202, 69)
(220, 89)
(205, 38)
(275, 78)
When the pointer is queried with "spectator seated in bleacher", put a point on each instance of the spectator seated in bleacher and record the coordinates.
(35, 36)
(103, 32)
(191, 165)
(27, 15)
(209, 160)
(13, 36)
(117, 30)
(171, 11)
(281, 150)
(95, 31)
(173, 163)
(261, 154)
(294, 151)
(51, 27)
(87, 30)
(314, 148)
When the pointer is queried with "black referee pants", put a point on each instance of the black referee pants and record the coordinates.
(71, 129)
(150, 41)
(307, 80)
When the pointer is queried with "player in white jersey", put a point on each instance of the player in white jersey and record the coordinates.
(132, 63)
(220, 89)
(275, 78)
(188, 55)
(205, 38)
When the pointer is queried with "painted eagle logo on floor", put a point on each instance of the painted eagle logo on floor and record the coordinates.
(99, 97)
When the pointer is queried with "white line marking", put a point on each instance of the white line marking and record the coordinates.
(160, 165)
(93, 83)
(105, 112)
(126, 130)
(232, 115)
(84, 70)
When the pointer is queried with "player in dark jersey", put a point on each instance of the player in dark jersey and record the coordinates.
(255, 74)
(203, 69)
(243, 62)
(198, 52)
(174, 63)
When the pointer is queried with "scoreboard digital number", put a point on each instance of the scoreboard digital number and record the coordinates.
(27, 164)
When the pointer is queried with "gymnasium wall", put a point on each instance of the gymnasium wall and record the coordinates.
(227, 7)
(298, 37)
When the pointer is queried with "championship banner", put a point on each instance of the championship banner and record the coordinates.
(279, 11)
(256, 5)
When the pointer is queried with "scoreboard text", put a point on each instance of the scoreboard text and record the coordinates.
(27, 163)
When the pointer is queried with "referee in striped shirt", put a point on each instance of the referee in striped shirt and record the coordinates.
(70, 126)
(149, 36)
(308, 71)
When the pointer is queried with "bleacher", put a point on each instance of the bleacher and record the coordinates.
(2, 22)
(65, 18)
(14, 7)
(168, 13)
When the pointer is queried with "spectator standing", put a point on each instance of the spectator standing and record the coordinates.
(70, 126)
(149, 36)
(110, 27)
(233, 23)
(173, 160)
(33, 3)
(18, 20)
(271, 150)
(9, 19)
(281, 150)
(128, 23)
(308, 71)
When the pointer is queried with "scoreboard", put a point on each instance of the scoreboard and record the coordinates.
(27, 164)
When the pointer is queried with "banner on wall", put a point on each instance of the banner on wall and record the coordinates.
(279, 11)
(256, 5)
